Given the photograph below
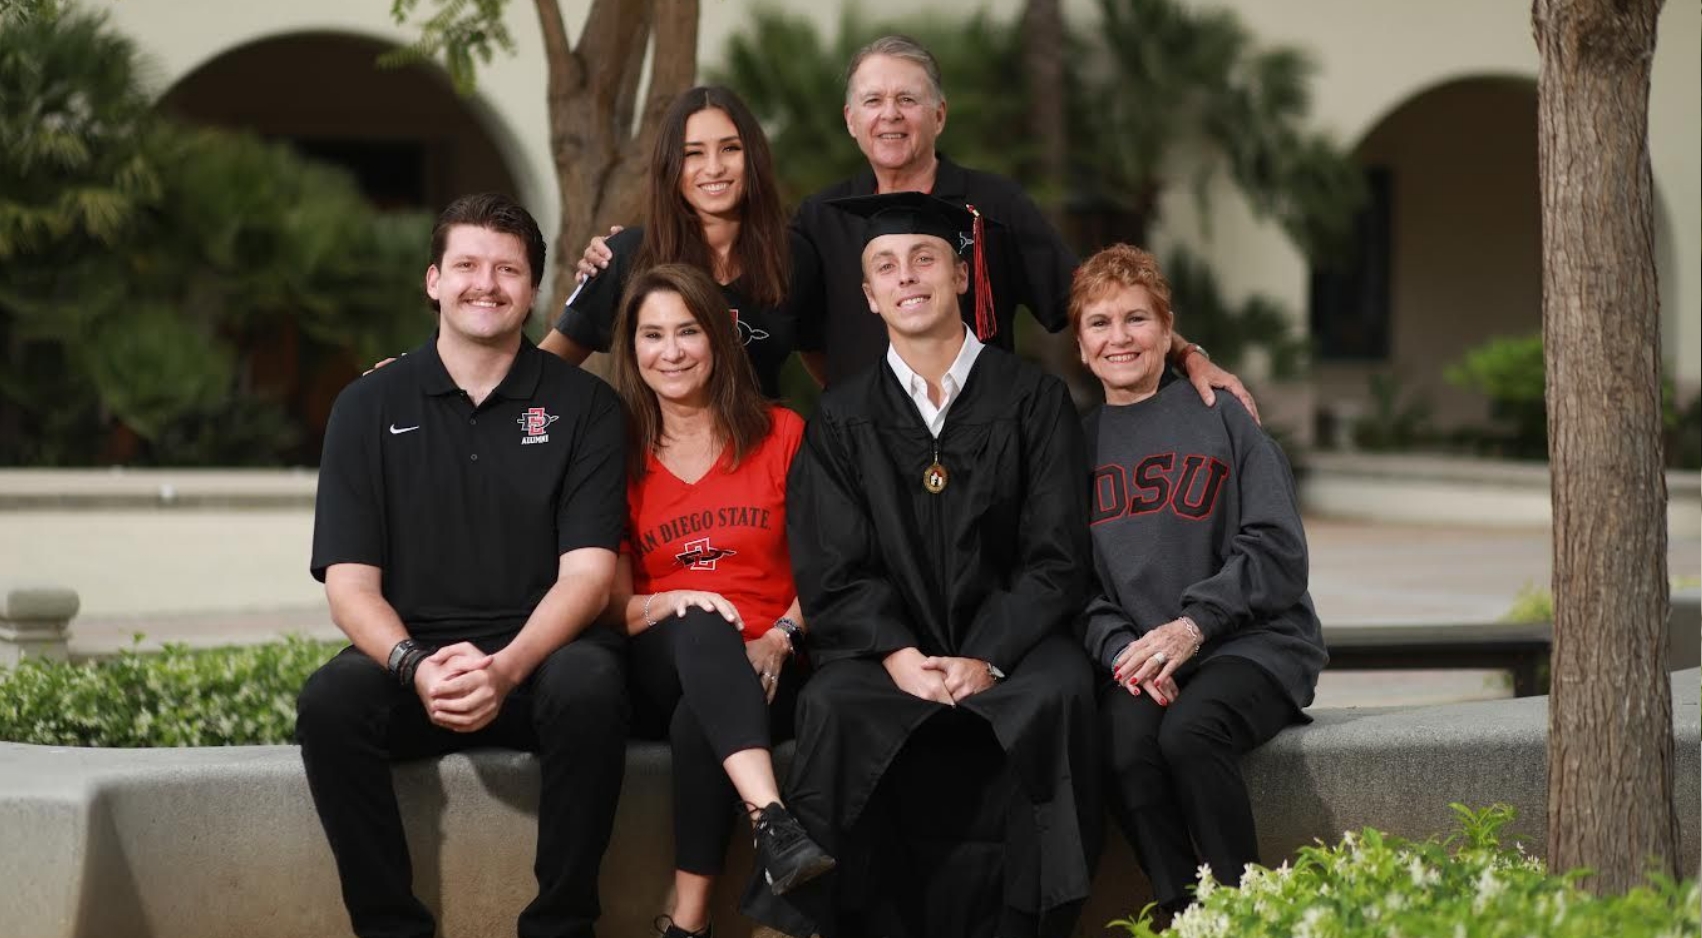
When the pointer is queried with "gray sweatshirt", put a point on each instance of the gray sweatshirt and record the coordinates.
(1194, 513)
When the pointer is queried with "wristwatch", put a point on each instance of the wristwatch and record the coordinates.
(1194, 348)
(793, 631)
(405, 658)
(994, 672)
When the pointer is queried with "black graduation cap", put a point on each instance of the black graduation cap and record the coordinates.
(960, 226)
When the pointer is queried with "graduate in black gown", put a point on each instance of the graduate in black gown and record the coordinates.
(936, 518)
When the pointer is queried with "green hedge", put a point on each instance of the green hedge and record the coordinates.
(177, 697)
(1375, 886)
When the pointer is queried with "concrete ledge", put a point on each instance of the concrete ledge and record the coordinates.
(204, 843)
(119, 487)
(1408, 487)
(1424, 489)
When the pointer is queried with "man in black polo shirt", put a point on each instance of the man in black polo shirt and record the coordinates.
(895, 107)
(471, 498)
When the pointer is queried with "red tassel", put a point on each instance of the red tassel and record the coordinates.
(986, 323)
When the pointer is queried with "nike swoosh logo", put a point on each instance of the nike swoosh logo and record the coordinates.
(398, 431)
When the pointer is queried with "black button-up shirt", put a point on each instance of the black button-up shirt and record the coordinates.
(468, 509)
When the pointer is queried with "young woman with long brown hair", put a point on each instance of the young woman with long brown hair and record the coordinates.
(713, 203)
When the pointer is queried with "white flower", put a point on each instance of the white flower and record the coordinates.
(1198, 922)
(1488, 887)
(1308, 927)
(1423, 876)
(1207, 883)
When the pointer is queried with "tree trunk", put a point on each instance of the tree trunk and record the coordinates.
(1610, 787)
(1043, 62)
(600, 157)
(1043, 53)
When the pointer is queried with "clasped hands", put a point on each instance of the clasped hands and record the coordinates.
(460, 689)
(941, 679)
(1148, 663)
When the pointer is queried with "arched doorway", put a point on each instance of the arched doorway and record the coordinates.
(403, 132)
(408, 140)
(1451, 248)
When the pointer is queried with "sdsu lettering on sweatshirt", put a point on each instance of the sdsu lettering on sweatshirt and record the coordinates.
(1193, 513)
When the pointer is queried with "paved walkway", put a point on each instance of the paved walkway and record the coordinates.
(213, 575)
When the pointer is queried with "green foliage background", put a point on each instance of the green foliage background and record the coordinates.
(144, 265)
(177, 697)
(1510, 371)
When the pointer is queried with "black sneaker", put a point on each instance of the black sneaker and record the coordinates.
(665, 928)
(787, 855)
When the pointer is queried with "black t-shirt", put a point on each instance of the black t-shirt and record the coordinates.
(1027, 262)
(589, 317)
(469, 509)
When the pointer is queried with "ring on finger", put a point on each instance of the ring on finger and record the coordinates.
(1160, 657)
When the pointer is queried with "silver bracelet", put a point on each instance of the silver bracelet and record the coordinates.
(1194, 630)
(648, 622)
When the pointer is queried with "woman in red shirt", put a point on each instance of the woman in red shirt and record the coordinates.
(704, 587)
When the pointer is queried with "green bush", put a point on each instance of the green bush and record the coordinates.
(1376, 886)
(1397, 421)
(178, 697)
(1533, 604)
(1509, 371)
(1683, 430)
(172, 295)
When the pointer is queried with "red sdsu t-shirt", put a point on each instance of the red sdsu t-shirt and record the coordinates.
(725, 533)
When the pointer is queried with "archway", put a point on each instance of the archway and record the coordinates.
(1452, 247)
(408, 140)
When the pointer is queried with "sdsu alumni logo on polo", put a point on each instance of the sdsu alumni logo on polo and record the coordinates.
(536, 423)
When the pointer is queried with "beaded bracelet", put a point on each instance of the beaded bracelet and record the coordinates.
(649, 622)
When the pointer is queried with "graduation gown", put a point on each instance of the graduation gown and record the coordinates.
(994, 567)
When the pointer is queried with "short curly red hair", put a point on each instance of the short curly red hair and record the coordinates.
(1120, 265)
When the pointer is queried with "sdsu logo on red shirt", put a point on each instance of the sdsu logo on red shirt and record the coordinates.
(536, 423)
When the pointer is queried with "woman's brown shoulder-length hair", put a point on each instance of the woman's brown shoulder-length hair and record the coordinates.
(742, 419)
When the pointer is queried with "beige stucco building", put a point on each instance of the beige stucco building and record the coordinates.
(1439, 96)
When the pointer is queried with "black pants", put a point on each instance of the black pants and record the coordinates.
(1175, 772)
(352, 720)
(939, 824)
(693, 685)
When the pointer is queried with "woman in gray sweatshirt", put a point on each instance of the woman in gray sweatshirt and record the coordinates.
(1202, 618)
